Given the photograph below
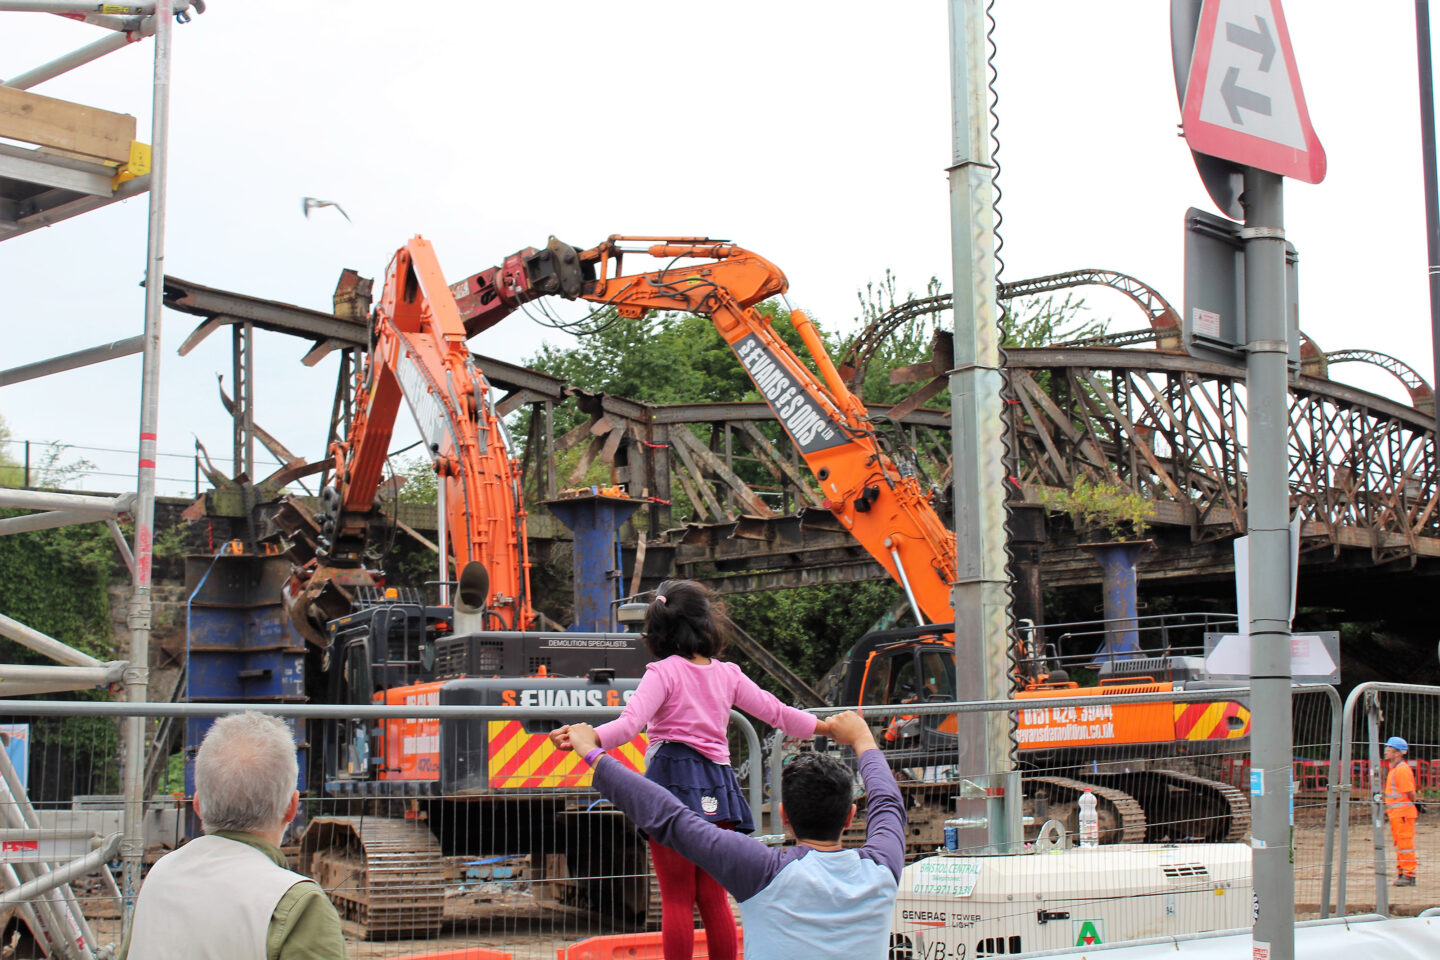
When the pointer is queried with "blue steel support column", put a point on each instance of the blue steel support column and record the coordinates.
(240, 646)
(595, 520)
(1117, 561)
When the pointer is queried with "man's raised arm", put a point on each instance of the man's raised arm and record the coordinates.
(884, 807)
(741, 865)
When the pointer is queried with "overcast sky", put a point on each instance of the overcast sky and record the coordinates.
(816, 134)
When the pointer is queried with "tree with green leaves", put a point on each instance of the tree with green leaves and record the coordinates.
(681, 358)
(57, 582)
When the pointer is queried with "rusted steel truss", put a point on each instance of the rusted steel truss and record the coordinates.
(1161, 424)
(728, 496)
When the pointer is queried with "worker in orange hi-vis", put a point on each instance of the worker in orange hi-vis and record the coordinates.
(1400, 807)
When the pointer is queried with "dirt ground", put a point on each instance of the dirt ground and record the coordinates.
(536, 930)
(1360, 867)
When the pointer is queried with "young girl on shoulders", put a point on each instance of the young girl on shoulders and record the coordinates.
(685, 699)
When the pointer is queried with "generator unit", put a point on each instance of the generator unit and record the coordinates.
(952, 907)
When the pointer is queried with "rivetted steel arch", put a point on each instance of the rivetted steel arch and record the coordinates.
(1422, 395)
(1160, 314)
(1171, 428)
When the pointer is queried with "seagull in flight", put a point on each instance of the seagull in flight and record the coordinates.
(311, 203)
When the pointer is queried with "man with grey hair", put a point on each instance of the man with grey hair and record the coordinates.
(228, 895)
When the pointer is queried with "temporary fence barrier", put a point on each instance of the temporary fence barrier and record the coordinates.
(529, 861)
(1186, 799)
(1373, 713)
(516, 854)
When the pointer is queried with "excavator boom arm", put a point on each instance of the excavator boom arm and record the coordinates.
(881, 505)
(420, 356)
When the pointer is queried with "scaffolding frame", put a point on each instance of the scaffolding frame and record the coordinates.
(67, 174)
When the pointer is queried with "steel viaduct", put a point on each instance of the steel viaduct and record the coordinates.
(730, 504)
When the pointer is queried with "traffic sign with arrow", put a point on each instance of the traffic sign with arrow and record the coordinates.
(1243, 100)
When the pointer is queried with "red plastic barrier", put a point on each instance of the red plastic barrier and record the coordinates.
(633, 946)
(1311, 775)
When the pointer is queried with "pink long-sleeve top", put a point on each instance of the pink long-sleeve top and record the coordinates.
(690, 702)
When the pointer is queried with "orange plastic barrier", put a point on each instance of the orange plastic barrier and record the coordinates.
(469, 953)
(634, 946)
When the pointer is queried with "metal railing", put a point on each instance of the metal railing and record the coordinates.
(1165, 795)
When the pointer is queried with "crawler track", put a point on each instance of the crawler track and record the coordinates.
(1182, 807)
(386, 877)
(1122, 819)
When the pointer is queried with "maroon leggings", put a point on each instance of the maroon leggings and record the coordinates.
(683, 886)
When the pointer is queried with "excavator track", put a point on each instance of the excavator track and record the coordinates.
(386, 877)
(927, 807)
(1182, 807)
(1238, 828)
(1126, 820)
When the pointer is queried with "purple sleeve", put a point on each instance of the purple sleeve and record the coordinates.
(742, 865)
(638, 710)
(765, 707)
(884, 813)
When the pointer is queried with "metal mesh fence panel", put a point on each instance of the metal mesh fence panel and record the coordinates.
(503, 848)
(503, 844)
(1372, 841)
(60, 829)
(1170, 774)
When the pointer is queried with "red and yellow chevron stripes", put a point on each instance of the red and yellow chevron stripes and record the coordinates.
(1211, 721)
(527, 761)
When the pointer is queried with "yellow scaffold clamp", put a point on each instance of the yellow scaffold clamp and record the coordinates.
(137, 166)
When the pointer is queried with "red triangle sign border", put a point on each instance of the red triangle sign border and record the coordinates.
(1239, 147)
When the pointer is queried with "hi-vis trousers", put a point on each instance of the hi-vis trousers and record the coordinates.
(1402, 829)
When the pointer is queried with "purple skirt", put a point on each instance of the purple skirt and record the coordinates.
(707, 787)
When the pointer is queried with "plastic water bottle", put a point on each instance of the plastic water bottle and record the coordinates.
(1089, 821)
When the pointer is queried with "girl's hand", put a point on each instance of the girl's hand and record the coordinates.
(561, 738)
(822, 727)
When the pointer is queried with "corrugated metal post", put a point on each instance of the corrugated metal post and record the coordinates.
(1432, 189)
(137, 677)
(980, 599)
(1267, 515)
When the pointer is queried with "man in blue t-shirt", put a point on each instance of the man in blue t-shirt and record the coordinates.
(790, 898)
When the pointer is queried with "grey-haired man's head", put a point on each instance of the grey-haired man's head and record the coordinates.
(245, 774)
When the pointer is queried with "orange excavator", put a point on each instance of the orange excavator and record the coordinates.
(886, 510)
(373, 643)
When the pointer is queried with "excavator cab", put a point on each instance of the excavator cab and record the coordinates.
(910, 665)
(387, 642)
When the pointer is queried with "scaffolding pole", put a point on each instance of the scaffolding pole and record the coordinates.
(137, 677)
